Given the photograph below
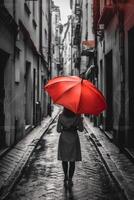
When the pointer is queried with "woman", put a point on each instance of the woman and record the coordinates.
(69, 149)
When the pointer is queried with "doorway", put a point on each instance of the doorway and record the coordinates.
(34, 96)
(131, 85)
(101, 82)
(109, 91)
(28, 99)
(3, 60)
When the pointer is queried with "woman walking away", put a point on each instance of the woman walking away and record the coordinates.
(69, 149)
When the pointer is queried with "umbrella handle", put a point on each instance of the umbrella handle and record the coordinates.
(87, 72)
(82, 80)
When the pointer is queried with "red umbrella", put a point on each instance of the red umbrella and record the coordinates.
(77, 94)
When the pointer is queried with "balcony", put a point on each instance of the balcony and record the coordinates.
(106, 15)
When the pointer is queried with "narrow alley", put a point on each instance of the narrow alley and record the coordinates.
(43, 177)
(75, 55)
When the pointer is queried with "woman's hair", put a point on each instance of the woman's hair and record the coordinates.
(68, 113)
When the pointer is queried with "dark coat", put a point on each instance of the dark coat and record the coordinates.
(69, 145)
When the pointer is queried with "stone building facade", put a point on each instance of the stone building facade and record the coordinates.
(24, 67)
(87, 35)
(56, 40)
(113, 27)
(67, 47)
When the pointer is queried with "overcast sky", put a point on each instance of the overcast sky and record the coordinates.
(64, 8)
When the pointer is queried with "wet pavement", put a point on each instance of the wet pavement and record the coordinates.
(42, 177)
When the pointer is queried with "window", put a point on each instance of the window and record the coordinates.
(17, 66)
(53, 49)
(69, 36)
(27, 7)
(28, 3)
(56, 35)
(46, 39)
(56, 19)
(34, 14)
(34, 9)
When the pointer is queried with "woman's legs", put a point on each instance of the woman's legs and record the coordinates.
(65, 168)
(71, 170)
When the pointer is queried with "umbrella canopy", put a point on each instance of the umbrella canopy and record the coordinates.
(76, 94)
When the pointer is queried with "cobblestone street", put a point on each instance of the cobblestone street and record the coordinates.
(43, 176)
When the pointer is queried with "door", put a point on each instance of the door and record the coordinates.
(101, 82)
(28, 90)
(3, 60)
(109, 91)
(131, 85)
(34, 88)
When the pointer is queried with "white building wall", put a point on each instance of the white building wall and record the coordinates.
(55, 39)
(68, 64)
(44, 65)
(87, 28)
(19, 111)
(7, 46)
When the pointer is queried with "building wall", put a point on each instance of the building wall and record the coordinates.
(45, 52)
(75, 6)
(7, 53)
(86, 31)
(111, 43)
(56, 35)
(25, 71)
(128, 25)
(84, 34)
(67, 64)
(45, 28)
(117, 41)
(28, 46)
(27, 19)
